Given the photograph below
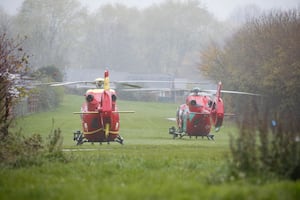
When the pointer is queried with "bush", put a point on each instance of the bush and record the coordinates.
(263, 149)
(49, 97)
(259, 58)
(54, 146)
(16, 150)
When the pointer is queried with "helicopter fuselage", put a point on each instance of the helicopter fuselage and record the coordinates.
(103, 125)
(198, 115)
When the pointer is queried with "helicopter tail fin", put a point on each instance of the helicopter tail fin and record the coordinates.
(219, 112)
(219, 90)
(106, 81)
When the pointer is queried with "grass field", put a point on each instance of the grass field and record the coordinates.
(150, 165)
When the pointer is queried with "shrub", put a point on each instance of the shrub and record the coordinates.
(263, 149)
(16, 150)
(260, 57)
(54, 146)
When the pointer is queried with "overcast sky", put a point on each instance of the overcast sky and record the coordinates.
(220, 8)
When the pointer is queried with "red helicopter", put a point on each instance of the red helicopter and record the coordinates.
(201, 111)
(99, 113)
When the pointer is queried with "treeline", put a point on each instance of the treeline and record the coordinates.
(263, 56)
(161, 38)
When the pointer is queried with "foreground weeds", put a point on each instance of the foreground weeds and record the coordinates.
(150, 165)
(17, 150)
(136, 172)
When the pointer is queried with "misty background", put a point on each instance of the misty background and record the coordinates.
(157, 37)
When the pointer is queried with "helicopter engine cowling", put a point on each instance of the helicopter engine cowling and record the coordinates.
(92, 102)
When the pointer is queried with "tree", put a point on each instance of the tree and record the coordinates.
(51, 28)
(263, 57)
(241, 15)
(52, 72)
(13, 62)
(5, 22)
(173, 32)
(110, 38)
(260, 57)
(163, 38)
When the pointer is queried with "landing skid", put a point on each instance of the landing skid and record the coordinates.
(176, 133)
(180, 134)
(119, 139)
(80, 139)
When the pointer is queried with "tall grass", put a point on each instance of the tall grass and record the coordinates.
(150, 165)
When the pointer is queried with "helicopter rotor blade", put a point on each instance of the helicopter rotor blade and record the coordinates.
(162, 81)
(153, 89)
(124, 111)
(237, 92)
(124, 83)
(96, 112)
(89, 112)
(128, 84)
(135, 84)
(71, 83)
(234, 92)
(229, 114)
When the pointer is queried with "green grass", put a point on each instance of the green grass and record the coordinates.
(150, 165)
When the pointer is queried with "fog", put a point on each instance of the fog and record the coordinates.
(221, 9)
(137, 36)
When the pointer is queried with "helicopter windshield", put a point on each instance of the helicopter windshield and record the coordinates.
(99, 83)
(195, 91)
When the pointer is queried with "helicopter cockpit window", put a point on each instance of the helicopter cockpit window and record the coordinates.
(99, 84)
(195, 91)
(210, 103)
(113, 98)
(193, 103)
(214, 106)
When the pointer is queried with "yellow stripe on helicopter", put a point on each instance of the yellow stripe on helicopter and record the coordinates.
(92, 132)
(100, 129)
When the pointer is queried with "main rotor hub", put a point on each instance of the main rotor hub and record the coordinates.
(196, 90)
(99, 82)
